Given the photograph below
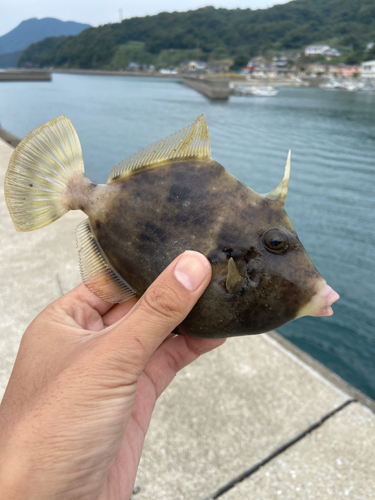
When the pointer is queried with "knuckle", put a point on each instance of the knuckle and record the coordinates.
(164, 302)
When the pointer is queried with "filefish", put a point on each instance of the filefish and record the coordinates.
(165, 199)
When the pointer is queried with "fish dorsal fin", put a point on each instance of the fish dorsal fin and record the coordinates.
(190, 142)
(279, 193)
(96, 273)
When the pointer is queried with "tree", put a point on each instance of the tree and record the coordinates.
(240, 62)
(349, 23)
(130, 52)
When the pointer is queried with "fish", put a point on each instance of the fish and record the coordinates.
(168, 198)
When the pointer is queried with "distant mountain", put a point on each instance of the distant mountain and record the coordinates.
(34, 30)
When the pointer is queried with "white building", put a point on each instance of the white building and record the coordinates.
(368, 69)
(324, 50)
(197, 65)
(313, 50)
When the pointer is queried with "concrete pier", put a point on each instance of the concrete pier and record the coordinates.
(210, 87)
(25, 76)
(254, 419)
(8, 137)
(108, 72)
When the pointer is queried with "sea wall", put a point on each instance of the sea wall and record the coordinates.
(107, 72)
(211, 88)
(25, 76)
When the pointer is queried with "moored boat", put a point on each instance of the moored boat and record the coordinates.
(267, 91)
(262, 91)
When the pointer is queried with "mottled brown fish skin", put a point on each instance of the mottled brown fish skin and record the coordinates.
(155, 214)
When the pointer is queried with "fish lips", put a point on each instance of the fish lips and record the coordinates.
(321, 302)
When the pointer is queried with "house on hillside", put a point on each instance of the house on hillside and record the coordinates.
(321, 50)
(368, 69)
(196, 66)
(315, 69)
(349, 71)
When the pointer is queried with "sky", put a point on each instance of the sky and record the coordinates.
(96, 12)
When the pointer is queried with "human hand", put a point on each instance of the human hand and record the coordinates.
(86, 378)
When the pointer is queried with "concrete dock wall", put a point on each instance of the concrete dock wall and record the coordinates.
(11, 139)
(108, 72)
(211, 88)
(25, 76)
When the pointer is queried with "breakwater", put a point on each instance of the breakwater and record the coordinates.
(210, 87)
(25, 76)
(105, 72)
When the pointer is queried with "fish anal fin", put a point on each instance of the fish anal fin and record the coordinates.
(234, 281)
(96, 273)
(190, 142)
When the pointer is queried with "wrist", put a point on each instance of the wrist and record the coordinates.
(14, 480)
(28, 474)
(22, 474)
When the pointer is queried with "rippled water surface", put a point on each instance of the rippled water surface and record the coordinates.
(331, 199)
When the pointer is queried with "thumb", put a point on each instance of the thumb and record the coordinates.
(165, 304)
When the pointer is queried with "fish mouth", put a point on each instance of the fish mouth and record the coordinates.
(321, 302)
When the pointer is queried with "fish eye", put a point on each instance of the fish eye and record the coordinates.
(275, 240)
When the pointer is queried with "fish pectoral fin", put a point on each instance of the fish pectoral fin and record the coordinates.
(190, 142)
(234, 281)
(96, 273)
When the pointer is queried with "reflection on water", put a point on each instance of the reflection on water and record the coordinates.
(331, 195)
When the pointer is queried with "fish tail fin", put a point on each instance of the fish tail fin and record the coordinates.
(38, 174)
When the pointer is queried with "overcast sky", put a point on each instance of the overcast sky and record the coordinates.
(96, 12)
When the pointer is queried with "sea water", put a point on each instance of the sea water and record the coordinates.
(331, 199)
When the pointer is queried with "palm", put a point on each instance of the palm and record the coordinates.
(176, 352)
(122, 475)
(85, 383)
(89, 313)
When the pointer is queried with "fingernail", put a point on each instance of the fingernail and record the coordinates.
(191, 270)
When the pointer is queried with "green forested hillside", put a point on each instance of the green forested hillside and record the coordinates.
(212, 33)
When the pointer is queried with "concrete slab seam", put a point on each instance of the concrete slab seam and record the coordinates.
(247, 473)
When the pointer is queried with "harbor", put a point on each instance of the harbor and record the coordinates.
(255, 418)
(216, 87)
(222, 87)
